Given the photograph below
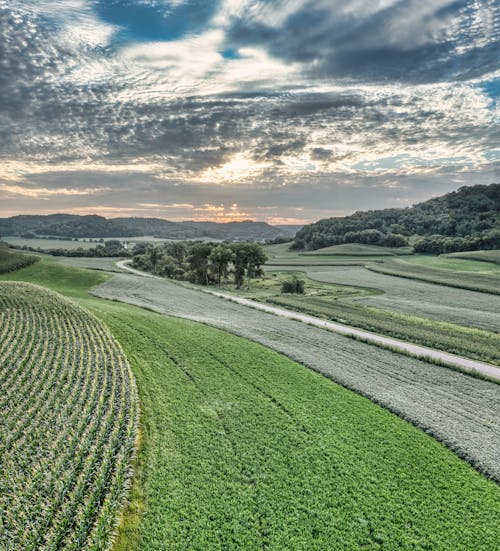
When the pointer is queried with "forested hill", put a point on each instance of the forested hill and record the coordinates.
(71, 225)
(468, 218)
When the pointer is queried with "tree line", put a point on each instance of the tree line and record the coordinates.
(206, 263)
(470, 214)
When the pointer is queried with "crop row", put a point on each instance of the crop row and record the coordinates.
(463, 280)
(69, 413)
(11, 261)
(465, 341)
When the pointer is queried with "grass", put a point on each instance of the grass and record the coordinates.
(482, 256)
(463, 274)
(243, 448)
(11, 261)
(69, 415)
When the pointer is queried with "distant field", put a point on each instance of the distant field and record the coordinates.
(279, 255)
(356, 249)
(48, 243)
(13, 260)
(485, 256)
(68, 422)
(409, 296)
(243, 448)
(453, 272)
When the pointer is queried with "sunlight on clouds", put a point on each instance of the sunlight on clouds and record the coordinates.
(41, 192)
(239, 168)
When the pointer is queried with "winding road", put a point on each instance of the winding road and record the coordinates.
(422, 352)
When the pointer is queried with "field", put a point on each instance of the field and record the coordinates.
(243, 448)
(69, 415)
(453, 272)
(482, 256)
(416, 298)
(279, 255)
(464, 341)
(49, 243)
(13, 260)
(356, 249)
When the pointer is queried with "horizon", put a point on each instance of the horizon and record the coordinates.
(282, 112)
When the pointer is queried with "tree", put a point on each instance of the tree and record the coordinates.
(198, 262)
(220, 257)
(248, 259)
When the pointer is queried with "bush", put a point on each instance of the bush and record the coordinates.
(293, 285)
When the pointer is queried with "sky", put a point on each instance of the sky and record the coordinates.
(286, 111)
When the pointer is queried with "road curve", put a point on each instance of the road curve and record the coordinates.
(423, 352)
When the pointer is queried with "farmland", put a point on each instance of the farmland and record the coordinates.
(416, 298)
(69, 415)
(356, 249)
(11, 260)
(482, 256)
(464, 274)
(243, 448)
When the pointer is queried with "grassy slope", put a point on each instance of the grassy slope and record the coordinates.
(243, 448)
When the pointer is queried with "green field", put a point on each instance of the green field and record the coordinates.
(243, 448)
(279, 255)
(453, 272)
(356, 249)
(69, 416)
(11, 261)
(482, 256)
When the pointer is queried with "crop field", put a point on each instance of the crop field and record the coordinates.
(453, 273)
(49, 243)
(417, 298)
(458, 410)
(13, 260)
(357, 249)
(483, 256)
(279, 255)
(68, 423)
(464, 341)
(101, 264)
(243, 448)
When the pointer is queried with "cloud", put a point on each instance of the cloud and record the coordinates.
(247, 95)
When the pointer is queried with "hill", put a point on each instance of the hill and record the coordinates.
(72, 225)
(469, 216)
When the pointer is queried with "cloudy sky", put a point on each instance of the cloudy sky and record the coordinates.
(278, 110)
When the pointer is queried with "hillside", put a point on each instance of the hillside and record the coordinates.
(71, 225)
(471, 213)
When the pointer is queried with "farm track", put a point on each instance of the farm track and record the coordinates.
(460, 411)
(69, 415)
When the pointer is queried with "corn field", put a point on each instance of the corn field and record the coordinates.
(68, 421)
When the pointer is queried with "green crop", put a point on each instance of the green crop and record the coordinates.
(69, 415)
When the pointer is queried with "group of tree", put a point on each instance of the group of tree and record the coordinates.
(469, 214)
(202, 262)
(440, 244)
